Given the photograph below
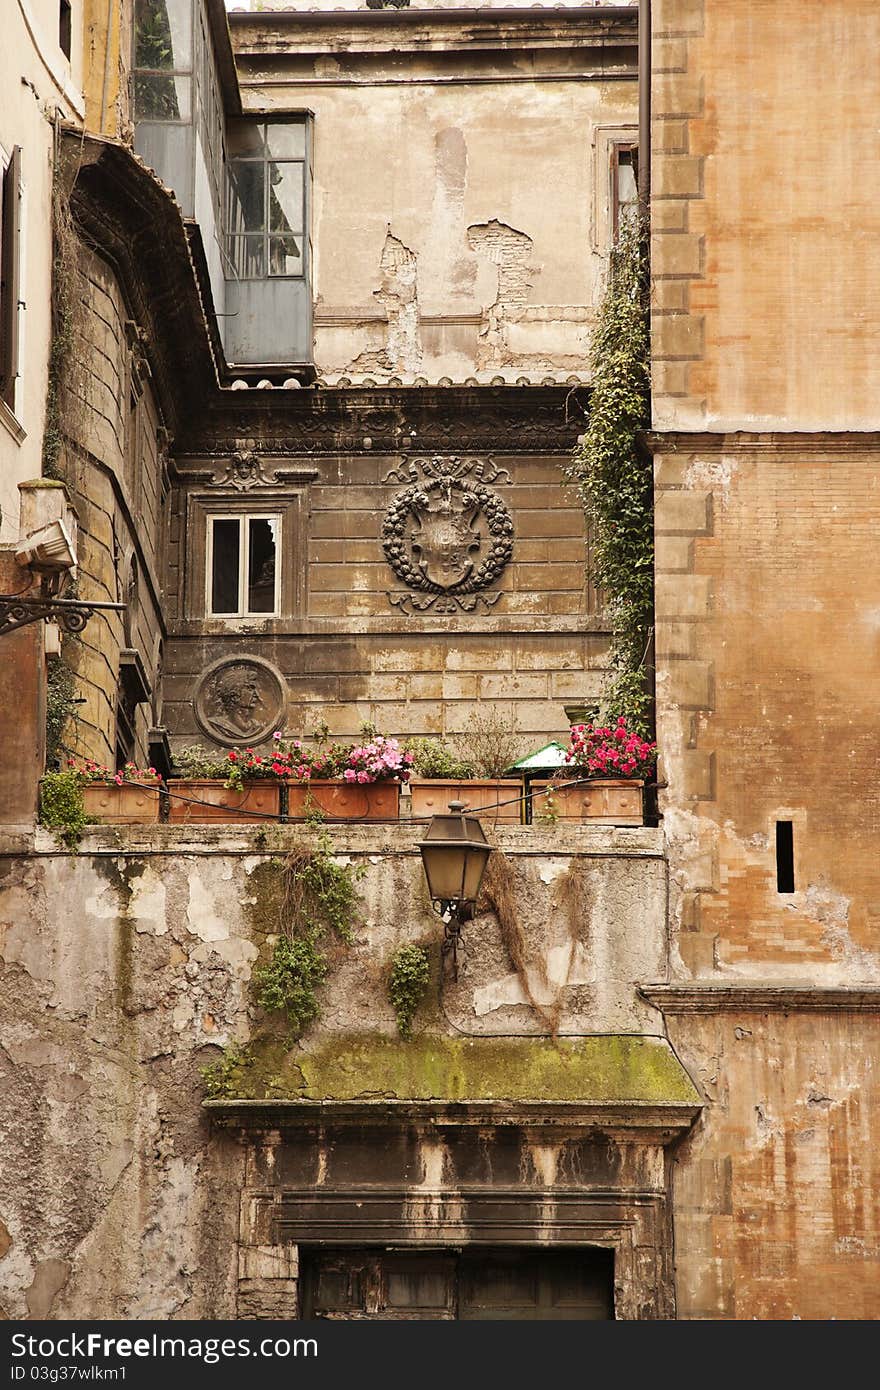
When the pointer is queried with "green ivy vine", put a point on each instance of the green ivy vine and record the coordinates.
(407, 985)
(614, 478)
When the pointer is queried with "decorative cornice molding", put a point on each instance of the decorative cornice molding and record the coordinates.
(393, 419)
(636, 1119)
(755, 998)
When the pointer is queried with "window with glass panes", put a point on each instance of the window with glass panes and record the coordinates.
(266, 198)
(163, 60)
(243, 569)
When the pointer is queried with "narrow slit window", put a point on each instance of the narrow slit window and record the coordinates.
(784, 856)
(243, 573)
(64, 27)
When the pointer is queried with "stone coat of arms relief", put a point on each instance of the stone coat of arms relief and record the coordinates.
(448, 535)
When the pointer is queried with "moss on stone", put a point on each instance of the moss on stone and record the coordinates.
(604, 1069)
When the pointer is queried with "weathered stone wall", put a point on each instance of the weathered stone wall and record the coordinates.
(116, 471)
(765, 614)
(777, 1189)
(766, 234)
(351, 653)
(766, 665)
(125, 967)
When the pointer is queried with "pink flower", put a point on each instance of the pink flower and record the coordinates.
(349, 774)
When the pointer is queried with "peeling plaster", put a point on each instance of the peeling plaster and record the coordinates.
(830, 910)
(399, 297)
(146, 907)
(715, 475)
(509, 251)
(201, 915)
(509, 990)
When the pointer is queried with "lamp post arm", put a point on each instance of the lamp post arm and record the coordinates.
(70, 613)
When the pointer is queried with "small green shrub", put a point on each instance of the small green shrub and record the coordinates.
(196, 763)
(432, 757)
(318, 897)
(288, 983)
(407, 985)
(220, 1077)
(61, 806)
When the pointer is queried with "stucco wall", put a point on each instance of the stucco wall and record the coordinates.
(36, 80)
(766, 663)
(461, 185)
(776, 1192)
(124, 969)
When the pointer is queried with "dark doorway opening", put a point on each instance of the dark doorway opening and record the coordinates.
(499, 1284)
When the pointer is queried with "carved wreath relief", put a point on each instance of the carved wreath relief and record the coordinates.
(448, 535)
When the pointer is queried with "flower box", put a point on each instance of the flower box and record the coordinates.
(494, 800)
(340, 800)
(601, 801)
(200, 801)
(111, 804)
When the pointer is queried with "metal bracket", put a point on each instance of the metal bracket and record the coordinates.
(453, 914)
(69, 613)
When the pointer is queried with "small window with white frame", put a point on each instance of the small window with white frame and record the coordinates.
(243, 565)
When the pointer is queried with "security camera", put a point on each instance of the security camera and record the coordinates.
(48, 550)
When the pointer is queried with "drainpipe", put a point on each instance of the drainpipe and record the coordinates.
(105, 89)
(645, 105)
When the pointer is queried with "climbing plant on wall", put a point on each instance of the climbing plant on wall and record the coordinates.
(614, 478)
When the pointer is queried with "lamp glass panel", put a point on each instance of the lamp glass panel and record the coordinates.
(443, 869)
(476, 863)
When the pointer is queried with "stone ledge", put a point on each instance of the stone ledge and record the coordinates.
(772, 998)
(660, 1122)
(373, 837)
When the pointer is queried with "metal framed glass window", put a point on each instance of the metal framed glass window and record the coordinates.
(243, 565)
(163, 60)
(267, 177)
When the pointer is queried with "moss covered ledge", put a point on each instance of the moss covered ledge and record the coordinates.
(619, 1079)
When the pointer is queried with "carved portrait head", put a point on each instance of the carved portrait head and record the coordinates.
(240, 700)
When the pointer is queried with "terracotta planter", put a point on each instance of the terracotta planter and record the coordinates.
(431, 797)
(601, 802)
(200, 802)
(341, 800)
(114, 805)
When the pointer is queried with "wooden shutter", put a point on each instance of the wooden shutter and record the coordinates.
(10, 262)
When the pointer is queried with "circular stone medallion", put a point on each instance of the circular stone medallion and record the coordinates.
(240, 700)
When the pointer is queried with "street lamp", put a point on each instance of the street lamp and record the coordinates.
(454, 853)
